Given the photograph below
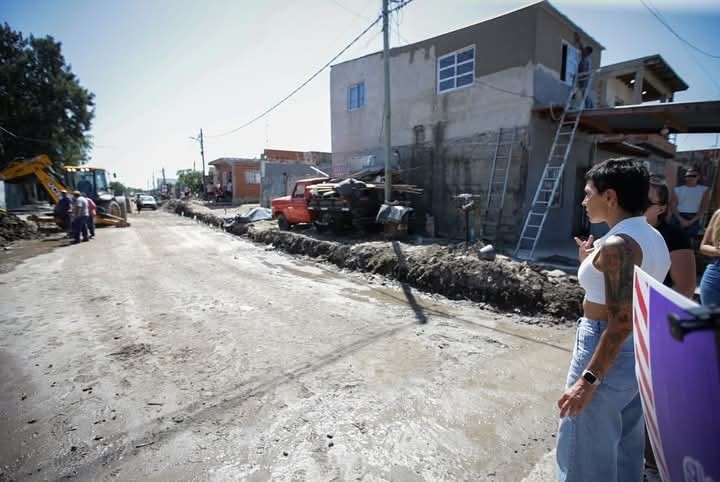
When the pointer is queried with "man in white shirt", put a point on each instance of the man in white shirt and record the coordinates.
(81, 212)
(689, 203)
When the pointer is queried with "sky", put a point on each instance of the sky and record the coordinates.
(163, 69)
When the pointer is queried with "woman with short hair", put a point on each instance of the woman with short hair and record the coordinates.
(601, 436)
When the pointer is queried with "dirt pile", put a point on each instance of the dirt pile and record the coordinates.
(12, 228)
(195, 211)
(456, 273)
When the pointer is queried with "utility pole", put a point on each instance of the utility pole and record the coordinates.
(202, 154)
(386, 61)
(163, 173)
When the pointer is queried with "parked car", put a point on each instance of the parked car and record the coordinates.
(146, 202)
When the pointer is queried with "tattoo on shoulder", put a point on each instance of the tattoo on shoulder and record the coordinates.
(617, 266)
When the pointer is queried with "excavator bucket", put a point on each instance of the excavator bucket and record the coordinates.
(106, 219)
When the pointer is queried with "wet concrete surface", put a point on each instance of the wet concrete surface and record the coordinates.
(173, 351)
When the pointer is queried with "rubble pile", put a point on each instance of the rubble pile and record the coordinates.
(503, 284)
(12, 228)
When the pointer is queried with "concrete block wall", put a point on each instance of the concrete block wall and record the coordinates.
(278, 179)
(463, 165)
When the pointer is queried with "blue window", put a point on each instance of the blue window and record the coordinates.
(356, 96)
(456, 70)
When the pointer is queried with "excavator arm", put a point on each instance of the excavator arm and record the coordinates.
(41, 167)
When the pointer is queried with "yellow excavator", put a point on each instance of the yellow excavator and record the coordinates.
(93, 181)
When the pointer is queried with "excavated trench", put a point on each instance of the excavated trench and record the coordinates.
(504, 284)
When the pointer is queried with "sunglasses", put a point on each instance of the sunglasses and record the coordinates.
(691, 175)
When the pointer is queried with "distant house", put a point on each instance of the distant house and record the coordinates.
(492, 88)
(315, 158)
(280, 169)
(238, 177)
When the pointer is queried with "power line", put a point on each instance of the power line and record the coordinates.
(16, 136)
(365, 17)
(402, 4)
(692, 54)
(276, 105)
(656, 13)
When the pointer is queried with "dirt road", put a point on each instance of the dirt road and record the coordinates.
(171, 351)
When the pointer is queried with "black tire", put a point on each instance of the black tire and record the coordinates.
(321, 228)
(114, 208)
(283, 223)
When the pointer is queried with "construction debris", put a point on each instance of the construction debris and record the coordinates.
(12, 228)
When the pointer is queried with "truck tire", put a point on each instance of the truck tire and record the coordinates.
(283, 223)
(123, 211)
(114, 208)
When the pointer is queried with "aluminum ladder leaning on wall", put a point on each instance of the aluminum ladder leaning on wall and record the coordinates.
(497, 188)
(551, 177)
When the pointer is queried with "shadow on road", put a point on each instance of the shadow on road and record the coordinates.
(407, 290)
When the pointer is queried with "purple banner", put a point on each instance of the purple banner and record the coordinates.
(686, 391)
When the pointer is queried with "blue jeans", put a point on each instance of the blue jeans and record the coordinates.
(605, 442)
(91, 226)
(710, 284)
(80, 226)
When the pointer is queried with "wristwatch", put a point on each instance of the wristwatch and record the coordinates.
(590, 377)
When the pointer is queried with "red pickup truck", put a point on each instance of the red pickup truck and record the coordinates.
(293, 209)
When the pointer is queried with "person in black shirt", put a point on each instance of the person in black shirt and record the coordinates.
(682, 275)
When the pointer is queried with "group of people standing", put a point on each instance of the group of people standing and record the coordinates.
(76, 215)
(601, 436)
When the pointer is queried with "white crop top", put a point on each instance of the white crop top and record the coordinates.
(655, 256)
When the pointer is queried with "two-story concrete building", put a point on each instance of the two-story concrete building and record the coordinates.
(455, 96)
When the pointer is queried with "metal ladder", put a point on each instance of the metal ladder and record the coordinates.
(549, 185)
(498, 184)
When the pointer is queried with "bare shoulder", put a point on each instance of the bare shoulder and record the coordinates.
(618, 251)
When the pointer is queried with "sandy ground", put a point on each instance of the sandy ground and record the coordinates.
(172, 351)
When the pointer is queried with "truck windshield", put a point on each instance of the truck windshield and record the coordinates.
(299, 190)
(84, 182)
(101, 183)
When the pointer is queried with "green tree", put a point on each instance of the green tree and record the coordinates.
(118, 188)
(43, 107)
(190, 178)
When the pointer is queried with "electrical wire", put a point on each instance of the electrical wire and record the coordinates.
(402, 4)
(656, 13)
(692, 54)
(31, 139)
(296, 90)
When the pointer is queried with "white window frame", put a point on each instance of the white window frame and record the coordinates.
(455, 65)
(252, 177)
(360, 105)
(569, 73)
